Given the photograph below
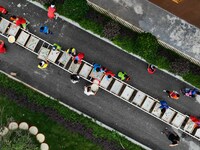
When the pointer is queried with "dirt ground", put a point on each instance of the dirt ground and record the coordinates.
(189, 10)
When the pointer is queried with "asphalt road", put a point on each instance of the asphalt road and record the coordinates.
(104, 107)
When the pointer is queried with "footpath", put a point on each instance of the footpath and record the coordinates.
(114, 112)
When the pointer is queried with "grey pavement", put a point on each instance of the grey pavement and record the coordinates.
(104, 107)
(161, 23)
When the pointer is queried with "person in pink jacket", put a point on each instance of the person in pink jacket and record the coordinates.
(51, 11)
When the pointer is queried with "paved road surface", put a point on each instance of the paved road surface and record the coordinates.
(104, 106)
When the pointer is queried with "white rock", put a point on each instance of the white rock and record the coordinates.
(23, 126)
(40, 137)
(13, 126)
(33, 130)
(44, 146)
(4, 131)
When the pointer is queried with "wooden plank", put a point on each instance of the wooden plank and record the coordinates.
(139, 98)
(190, 126)
(116, 87)
(32, 43)
(105, 82)
(23, 37)
(178, 120)
(96, 75)
(156, 110)
(13, 30)
(64, 59)
(85, 70)
(127, 92)
(168, 115)
(197, 133)
(3, 25)
(74, 67)
(53, 55)
(43, 53)
(148, 103)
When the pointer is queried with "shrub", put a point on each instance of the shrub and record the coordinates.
(193, 79)
(147, 46)
(111, 30)
(73, 9)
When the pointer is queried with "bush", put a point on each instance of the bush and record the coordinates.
(73, 9)
(111, 30)
(193, 79)
(147, 46)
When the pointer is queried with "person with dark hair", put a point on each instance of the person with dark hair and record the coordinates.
(56, 47)
(75, 78)
(163, 106)
(123, 76)
(109, 74)
(151, 69)
(190, 92)
(71, 51)
(78, 58)
(172, 94)
(43, 64)
(172, 136)
(19, 21)
(98, 68)
(45, 30)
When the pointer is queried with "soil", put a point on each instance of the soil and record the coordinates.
(75, 127)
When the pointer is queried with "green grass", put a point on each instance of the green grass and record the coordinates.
(50, 128)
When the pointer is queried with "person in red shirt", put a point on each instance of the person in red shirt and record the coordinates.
(78, 58)
(2, 47)
(3, 10)
(51, 11)
(109, 74)
(172, 94)
(151, 69)
(19, 21)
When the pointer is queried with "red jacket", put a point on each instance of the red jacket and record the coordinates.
(2, 47)
(110, 73)
(3, 10)
(20, 21)
(51, 12)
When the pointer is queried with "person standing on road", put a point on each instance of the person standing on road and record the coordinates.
(151, 69)
(172, 94)
(2, 47)
(45, 30)
(163, 106)
(75, 78)
(51, 11)
(3, 10)
(19, 21)
(172, 136)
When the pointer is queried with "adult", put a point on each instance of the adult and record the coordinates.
(2, 47)
(75, 78)
(163, 106)
(71, 51)
(109, 74)
(151, 69)
(123, 76)
(3, 10)
(172, 136)
(43, 64)
(56, 47)
(45, 30)
(195, 120)
(78, 58)
(51, 11)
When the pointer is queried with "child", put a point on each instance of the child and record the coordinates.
(45, 30)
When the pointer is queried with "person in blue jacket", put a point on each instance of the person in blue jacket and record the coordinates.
(45, 30)
(163, 106)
